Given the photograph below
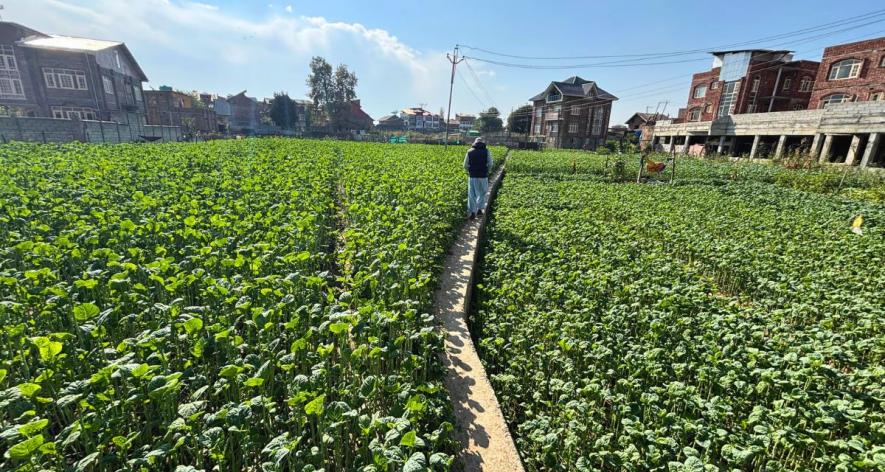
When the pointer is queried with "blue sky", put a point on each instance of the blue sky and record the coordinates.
(398, 48)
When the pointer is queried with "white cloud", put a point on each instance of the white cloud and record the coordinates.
(261, 54)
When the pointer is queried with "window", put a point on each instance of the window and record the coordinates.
(756, 81)
(65, 79)
(554, 97)
(729, 98)
(7, 58)
(714, 85)
(805, 84)
(538, 128)
(11, 88)
(10, 80)
(576, 110)
(539, 111)
(573, 128)
(694, 114)
(882, 61)
(136, 90)
(788, 82)
(117, 59)
(553, 127)
(846, 69)
(700, 91)
(557, 109)
(108, 85)
(596, 123)
(708, 109)
(877, 96)
(70, 113)
(835, 98)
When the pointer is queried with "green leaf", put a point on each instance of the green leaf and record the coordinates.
(85, 462)
(254, 382)
(24, 449)
(2, 374)
(35, 426)
(190, 221)
(193, 325)
(230, 371)
(85, 311)
(48, 348)
(28, 389)
(315, 406)
(408, 439)
(338, 328)
(416, 463)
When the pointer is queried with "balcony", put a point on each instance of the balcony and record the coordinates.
(551, 116)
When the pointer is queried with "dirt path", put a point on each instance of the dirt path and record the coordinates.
(486, 441)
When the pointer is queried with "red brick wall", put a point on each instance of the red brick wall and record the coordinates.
(870, 80)
(711, 98)
(767, 72)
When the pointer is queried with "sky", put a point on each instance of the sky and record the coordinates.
(398, 48)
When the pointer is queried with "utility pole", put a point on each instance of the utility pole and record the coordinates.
(455, 61)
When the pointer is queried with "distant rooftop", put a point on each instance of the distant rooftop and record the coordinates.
(779, 51)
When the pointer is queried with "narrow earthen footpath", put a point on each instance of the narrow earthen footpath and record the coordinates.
(485, 438)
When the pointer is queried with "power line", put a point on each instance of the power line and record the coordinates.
(800, 32)
(480, 84)
(652, 92)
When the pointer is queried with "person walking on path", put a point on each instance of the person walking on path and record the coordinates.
(478, 164)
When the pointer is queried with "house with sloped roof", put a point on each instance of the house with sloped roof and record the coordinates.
(64, 77)
(640, 119)
(573, 113)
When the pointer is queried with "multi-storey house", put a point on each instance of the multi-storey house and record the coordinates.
(749, 81)
(853, 72)
(64, 77)
(573, 113)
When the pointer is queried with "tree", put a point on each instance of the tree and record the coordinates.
(283, 111)
(332, 92)
(488, 121)
(520, 120)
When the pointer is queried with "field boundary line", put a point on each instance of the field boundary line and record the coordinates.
(486, 443)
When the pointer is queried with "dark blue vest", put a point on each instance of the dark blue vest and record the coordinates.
(478, 161)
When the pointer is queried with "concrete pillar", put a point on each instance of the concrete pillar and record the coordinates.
(721, 147)
(816, 144)
(781, 144)
(825, 150)
(872, 148)
(756, 140)
(852, 150)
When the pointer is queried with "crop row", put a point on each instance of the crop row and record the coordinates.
(258, 304)
(736, 326)
(854, 183)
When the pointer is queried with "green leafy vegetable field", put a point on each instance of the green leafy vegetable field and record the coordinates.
(231, 305)
(719, 326)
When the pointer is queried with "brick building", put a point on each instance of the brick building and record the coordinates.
(419, 119)
(573, 114)
(65, 77)
(853, 72)
(173, 108)
(244, 114)
(749, 81)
